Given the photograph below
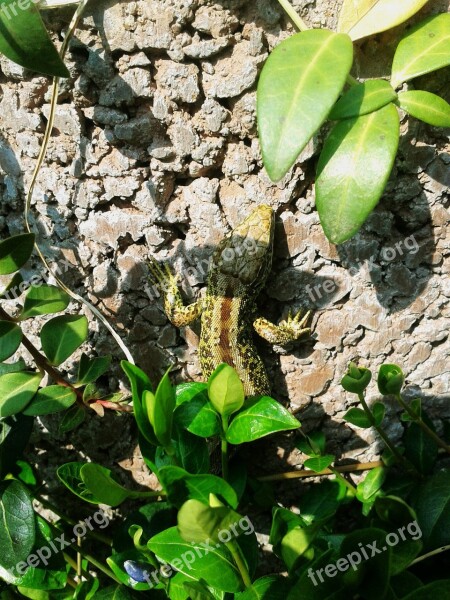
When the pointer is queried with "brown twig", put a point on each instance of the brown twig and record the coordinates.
(308, 473)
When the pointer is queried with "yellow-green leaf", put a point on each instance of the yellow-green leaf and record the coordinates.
(300, 82)
(362, 99)
(360, 18)
(353, 169)
(425, 49)
(426, 106)
(16, 391)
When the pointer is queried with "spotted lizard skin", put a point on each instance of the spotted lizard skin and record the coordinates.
(238, 271)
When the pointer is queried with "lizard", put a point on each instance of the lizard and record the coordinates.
(238, 271)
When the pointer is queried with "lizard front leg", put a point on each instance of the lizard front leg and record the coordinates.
(177, 313)
(290, 330)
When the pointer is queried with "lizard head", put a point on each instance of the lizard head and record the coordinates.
(246, 252)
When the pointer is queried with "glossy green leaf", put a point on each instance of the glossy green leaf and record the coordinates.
(362, 99)
(70, 475)
(17, 531)
(10, 339)
(181, 486)
(51, 399)
(72, 418)
(44, 300)
(261, 416)
(198, 591)
(119, 592)
(61, 336)
(90, 369)
(16, 391)
(25, 40)
(312, 444)
(426, 106)
(159, 408)
(270, 587)
(319, 463)
(14, 367)
(433, 510)
(422, 50)
(296, 543)
(299, 83)
(225, 390)
(357, 417)
(15, 250)
(353, 169)
(214, 566)
(321, 501)
(139, 382)
(378, 411)
(360, 18)
(194, 411)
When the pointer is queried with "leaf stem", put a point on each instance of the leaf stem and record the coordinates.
(382, 434)
(309, 473)
(418, 419)
(292, 14)
(339, 476)
(224, 448)
(432, 553)
(235, 551)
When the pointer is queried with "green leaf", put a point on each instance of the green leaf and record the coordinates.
(51, 399)
(160, 407)
(357, 417)
(270, 587)
(14, 289)
(370, 575)
(319, 463)
(321, 501)
(10, 339)
(15, 367)
(299, 83)
(353, 169)
(70, 475)
(360, 18)
(436, 589)
(100, 484)
(44, 300)
(119, 592)
(181, 486)
(378, 411)
(433, 510)
(90, 369)
(422, 50)
(362, 99)
(296, 543)
(15, 250)
(198, 522)
(25, 40)
(371, 484)
(72, 418)
(261, 416)
(225, 390)
(214, 566)
(312, 444)
(17, 532)
(16, 391)
(198, 591)
(61, 336)
(426, 106)
(139, 383)
(14, 435)
(194, 411)
(420, 449)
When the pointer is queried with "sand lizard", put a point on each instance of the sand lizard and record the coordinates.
(238, 271)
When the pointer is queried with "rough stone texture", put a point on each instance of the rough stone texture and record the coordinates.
(155, 152)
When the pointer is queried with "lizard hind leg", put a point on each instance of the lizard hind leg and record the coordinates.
(167, 282)
(291, 329)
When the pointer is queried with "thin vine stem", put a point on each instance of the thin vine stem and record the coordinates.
(309, 473)
(418, 419)
(235, 552)
(43, 151)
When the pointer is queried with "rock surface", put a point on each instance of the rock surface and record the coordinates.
(155, 153)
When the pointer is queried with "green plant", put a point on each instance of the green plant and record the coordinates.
(196, 538)
(302, 85)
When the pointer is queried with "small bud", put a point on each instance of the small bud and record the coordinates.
(356, 379)
(390, 379)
